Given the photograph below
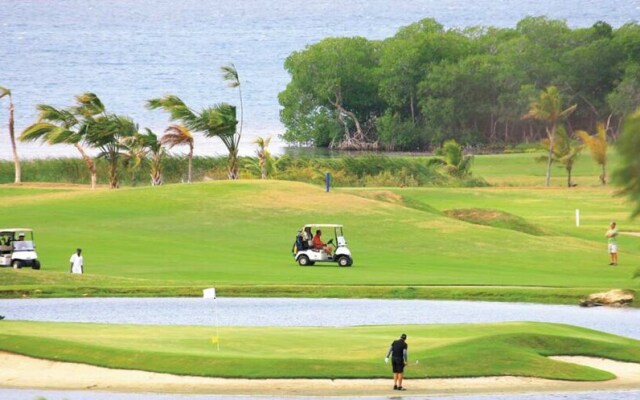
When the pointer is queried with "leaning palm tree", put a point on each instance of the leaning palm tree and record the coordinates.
(56, 126)
(263, 154)
(107, 134)
(217, 121)
(548, 108)
(176, 135)
(134, 156)
(142, 147)
(597, 144)
(7, 92)
(157, 153)
(230, 75)
(565, 152)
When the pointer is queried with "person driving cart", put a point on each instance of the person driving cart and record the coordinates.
(318, 244)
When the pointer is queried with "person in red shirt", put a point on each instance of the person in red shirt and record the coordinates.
(318, 244)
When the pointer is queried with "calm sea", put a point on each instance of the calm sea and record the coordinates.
(128, 51)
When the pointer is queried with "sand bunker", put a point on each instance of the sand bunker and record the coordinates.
(25, 372)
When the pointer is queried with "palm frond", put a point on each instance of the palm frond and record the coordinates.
(89, 105)
(37, 131)
(219, 120)
(176, 135)
(230, 75)
(177, 109)
(4, 92)
(57, 116)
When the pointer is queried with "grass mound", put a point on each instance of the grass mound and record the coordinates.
(471, 350)
(494, 218)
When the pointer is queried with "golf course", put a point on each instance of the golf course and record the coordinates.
(514, 240)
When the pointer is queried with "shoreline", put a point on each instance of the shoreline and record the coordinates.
(22, 372)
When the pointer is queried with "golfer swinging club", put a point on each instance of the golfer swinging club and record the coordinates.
(398, 353)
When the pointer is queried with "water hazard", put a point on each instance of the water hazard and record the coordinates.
(312, 312)
(308, 312)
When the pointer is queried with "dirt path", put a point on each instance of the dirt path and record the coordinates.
(25, 372)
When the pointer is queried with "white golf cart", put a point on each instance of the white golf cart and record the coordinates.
(17, 248)
(305, 254)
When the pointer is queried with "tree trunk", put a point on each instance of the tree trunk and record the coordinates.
(413, 112)
(233, 165)
(263, 166)
(358, 139)
(113, 174)
(90, 164)
(12, 135)
(603, 177)
(190, 168)
(156, 171)
(551, 135)
(569, 184)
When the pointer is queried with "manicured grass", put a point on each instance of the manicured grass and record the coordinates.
(517, 348)
(237, 236)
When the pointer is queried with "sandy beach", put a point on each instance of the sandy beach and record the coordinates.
(18, 371)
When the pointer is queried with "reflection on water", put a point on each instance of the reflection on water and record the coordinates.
(11, 394)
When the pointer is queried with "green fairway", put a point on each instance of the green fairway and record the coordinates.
(518, 348)
(496, 243)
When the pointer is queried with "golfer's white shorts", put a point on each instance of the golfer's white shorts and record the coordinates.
(613, 248)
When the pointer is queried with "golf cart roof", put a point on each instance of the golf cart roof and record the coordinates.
(15, 230)
(323, 226)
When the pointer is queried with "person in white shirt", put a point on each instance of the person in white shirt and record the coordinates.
(77, 262)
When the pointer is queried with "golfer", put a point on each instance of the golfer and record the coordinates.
(77, 262)
(612, 240)
(398, 352)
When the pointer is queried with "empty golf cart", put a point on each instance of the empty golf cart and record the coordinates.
(17, 248)
(305, 254)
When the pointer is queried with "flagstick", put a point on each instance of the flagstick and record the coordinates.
(210, 293)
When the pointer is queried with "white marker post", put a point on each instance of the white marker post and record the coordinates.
(210, 293)
(577, 217)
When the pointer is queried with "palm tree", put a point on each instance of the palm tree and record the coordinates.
(135, 155)
(548, 108)
(107, 134)
(56, 126)
(453, 160)
(597, 144)
(176, 135)
(217, 121)
(140, 146)
(230, 75)
(157, 152)
(7, 92)
(565, 152)
(263, 154)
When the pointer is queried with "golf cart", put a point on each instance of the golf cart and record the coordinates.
(336, 251)
(17, 248)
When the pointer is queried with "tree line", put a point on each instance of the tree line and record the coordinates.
(87, 124)
(426, 85)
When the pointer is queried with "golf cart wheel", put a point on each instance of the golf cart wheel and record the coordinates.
(36, 264)
(304, 261)
(16, 264)
(344, 261)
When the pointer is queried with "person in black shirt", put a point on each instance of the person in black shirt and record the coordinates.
(398, 353)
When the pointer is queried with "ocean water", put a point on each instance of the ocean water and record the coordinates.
(128, 51)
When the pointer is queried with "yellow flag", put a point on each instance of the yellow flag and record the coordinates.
(215, 339)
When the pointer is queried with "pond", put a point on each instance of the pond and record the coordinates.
(312, 312)
(308, 312)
